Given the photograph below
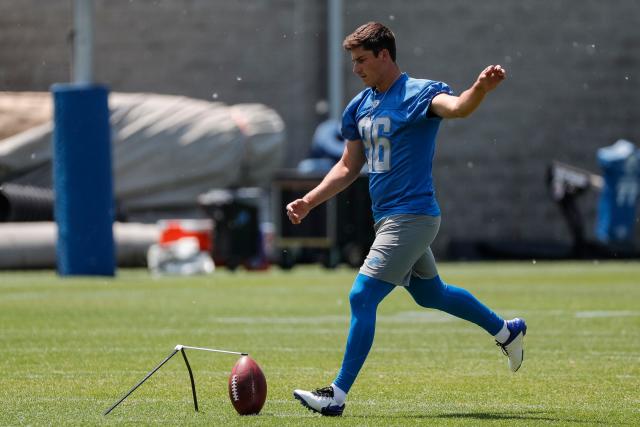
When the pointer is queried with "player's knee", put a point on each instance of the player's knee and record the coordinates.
(358, 298)
(367, 293)
(428, 293)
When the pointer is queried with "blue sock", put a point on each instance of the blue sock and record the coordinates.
(434, 293)
(365, 296)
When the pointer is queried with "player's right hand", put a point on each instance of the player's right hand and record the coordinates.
(491, 77)
(297, 210)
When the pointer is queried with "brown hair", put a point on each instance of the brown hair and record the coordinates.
(372, 36)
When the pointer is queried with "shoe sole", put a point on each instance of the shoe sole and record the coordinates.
(521, 361)
(524, 332)
(312, 409)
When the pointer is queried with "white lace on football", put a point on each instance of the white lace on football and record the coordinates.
(234, 388)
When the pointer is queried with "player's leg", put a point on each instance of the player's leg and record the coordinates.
(434, 293)
(397, 246)
(366, 294)
(428, 290)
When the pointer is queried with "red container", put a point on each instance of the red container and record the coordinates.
(175, 229)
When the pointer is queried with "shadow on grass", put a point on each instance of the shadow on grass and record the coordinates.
(528, 415)
(522, 416)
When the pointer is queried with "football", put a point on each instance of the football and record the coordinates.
(247, 386)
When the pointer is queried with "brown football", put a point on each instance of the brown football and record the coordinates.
(247, 386)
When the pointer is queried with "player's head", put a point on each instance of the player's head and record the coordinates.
(373, 52)
(372, 36)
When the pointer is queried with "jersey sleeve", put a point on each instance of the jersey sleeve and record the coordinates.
(420, 108)
(349, 127)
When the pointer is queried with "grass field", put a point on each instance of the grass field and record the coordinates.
(71, 347)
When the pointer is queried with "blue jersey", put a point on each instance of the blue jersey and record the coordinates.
(619, 198)
(398, 136)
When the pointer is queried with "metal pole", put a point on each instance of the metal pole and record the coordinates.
(153, 371)
(83, 42)
(180, 347)
(193, 383)
(335, 53)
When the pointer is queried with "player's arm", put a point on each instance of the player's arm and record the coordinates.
(449, 106)
(343, 173)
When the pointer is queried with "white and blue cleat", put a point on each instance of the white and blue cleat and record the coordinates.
(320, 400)
(513, 348)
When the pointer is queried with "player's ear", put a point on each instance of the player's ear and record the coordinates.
(382, 54)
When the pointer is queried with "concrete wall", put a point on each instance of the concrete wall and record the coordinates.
(573, 86)
(249, 51)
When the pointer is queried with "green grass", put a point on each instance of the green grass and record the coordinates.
(71, 347)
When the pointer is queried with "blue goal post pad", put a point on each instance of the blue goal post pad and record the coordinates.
(83, 180)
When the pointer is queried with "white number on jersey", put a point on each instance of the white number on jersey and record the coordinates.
(377, 147)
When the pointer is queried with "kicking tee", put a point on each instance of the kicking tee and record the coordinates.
(398, 136)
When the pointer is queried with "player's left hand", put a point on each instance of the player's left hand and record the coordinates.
(491, 77)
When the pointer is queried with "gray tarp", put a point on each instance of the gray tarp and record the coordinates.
(166, 149)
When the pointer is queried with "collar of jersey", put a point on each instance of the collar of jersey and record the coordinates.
(401, 77)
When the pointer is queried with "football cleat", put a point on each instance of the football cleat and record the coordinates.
(513, 348)
(320, 400)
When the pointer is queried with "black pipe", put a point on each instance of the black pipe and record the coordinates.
(24, 203)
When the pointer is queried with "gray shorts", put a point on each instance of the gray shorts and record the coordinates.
(402, 249)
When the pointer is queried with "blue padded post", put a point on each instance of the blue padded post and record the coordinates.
(82, 175)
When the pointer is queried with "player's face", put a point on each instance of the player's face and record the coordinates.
(367, 66)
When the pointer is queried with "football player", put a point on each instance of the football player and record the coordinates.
(392, 126)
